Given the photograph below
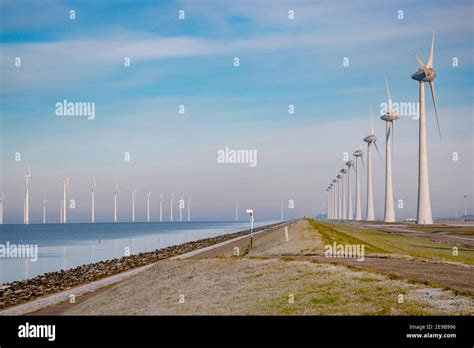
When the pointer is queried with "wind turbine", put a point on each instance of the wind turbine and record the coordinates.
(350, 214)
(26, 203)
(236, 210)
(65, 197)
(148, 195)
(171, 210)
(161, 206)
(344, 207)
(281, 211)
(181, 207)
(44, 209)
(330, 209)
(334, 200)
(426, 73)
(328, 200)
(93, 201)
(370, 139)
(115, 200)
(339, 197)
(358, 205)
(61, 212)
(134, 191)
(189, 208)
(2, 199)
(389, 118)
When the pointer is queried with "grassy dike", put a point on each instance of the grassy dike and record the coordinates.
(276, 277)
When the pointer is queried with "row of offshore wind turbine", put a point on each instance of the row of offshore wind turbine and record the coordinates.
(339, 198)
(183, 203)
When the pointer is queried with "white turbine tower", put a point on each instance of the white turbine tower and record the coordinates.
(236, 210)
(370, 139)
(344, 206)
(389, 118)
(189, 208)
(331, 204)
(328, 201)
(425, 74)
(44, 209)
(334, 200)
(350, 213)
(339, 197)
(26, 202)
(181, 207)
(358, 205)
(161, 207)
(115, 200)
(93, 200)
(281, 210)
(65, 198)
(171, 210)
(148, 195)
(2, 199)
(61, 212)
(134, 191)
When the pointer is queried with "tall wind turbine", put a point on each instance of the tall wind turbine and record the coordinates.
(26, 203)
(171, 210)
(350, 214)
(134, 191)
(161, 206)
(358, 205)
(328, 201)
(426, 73)
(339, 197)
(189, 208)
(44, 209)
(93, 201)
(389, 118)
(334, 200)
(65, 197)
(61, 212)
(370, 139)
(2, 199)
(331, 195)
(148, 195)
(115, 200)
(281, 210)
(344, 207)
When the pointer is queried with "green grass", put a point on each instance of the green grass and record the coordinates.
(390, 243)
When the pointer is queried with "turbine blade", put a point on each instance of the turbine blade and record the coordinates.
(377, 148)
(429, 64)
(434, 104)
(420, 61)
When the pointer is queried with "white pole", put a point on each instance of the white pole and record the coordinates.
(161, 207)
(424, 215)
(344, 212)
(148, 206)
(350, 215)
(389, 214)
(370, 195)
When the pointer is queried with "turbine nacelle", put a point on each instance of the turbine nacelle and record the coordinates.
(370, 139)
(425, 75)
(389, 117)
(339, 176)
(344, 171)
(358, 153)
(349, 163)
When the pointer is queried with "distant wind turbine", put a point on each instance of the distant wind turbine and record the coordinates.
(236, 210)
(389, 118)
(161, 207)
(171, 210)
(2, 199)
(65, 197)
(26, 203)
(281, 211)
(93, 200)
(358, 205)
(334, 200)
(181, 207)
(343, 194)
(115, 200)
(134, 191)
(426, 73)
(189, 208)
(339, 198)
(148, 195)
(44, 209)
(350, 214)
(370, 139)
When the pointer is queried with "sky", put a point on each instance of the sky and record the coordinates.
(190, 62)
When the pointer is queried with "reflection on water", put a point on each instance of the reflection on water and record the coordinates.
(68, 246)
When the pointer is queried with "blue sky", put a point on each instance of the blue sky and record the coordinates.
(190, 62)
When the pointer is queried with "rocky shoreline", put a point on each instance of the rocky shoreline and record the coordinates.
(53, 282)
